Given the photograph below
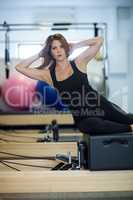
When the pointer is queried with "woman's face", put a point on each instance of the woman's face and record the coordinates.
(58, 51)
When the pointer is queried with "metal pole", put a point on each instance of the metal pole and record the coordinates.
(7, 48)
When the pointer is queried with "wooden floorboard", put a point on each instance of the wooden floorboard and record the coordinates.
(35, 119)
(37, 149)
(27, 165)
(104, 183)
(27, 136)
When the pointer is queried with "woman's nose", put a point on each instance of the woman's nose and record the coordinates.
(58, 50)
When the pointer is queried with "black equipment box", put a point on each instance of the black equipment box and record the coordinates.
(110, 152)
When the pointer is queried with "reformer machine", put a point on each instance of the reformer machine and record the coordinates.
(104, 152)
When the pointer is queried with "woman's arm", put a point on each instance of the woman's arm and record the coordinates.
(34, 73)
(93, 45)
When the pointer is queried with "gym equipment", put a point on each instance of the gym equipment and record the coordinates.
(33, 136)
(49, 96)
(66, 185)
(67, 162)
(51, 128)
(0, 91)
(73, 163)
(46, 132)
(110, 152)
(95, 75)
(81, 184)
(104, 152)
(99, 55)
(8, 120)
(55, 130)
(7, 48)
(96, 69)
(46, 93)
(39, 150)
(18, 92)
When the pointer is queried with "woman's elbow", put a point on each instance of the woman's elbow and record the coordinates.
(100, 40)
(18, 68)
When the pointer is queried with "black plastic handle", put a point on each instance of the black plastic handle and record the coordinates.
(115, 140)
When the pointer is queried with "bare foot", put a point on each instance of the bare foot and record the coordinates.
(131, 128)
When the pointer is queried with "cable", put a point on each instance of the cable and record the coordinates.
(28, 165)
(19, 136)
(32, 157)
(4, 140)
(10, 166)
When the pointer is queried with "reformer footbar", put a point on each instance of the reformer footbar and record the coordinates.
(70, 163)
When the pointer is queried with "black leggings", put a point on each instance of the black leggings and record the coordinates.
(115, 121)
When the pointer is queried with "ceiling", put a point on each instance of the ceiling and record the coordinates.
(36, 11)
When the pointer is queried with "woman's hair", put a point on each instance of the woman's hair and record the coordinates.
(46, 52)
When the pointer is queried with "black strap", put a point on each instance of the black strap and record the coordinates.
(73, 64)
(52, 73)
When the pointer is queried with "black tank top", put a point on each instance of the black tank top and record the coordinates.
(76, 92)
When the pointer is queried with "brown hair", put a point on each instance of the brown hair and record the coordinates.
(46, 52)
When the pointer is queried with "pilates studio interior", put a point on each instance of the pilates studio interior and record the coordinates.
(66, 112)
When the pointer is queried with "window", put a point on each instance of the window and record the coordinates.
(27, 50)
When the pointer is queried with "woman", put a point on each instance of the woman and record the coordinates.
(92, 113)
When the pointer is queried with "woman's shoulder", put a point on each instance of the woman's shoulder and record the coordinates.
(80, 66)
